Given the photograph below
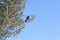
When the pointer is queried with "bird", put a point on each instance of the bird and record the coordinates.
(27, 18)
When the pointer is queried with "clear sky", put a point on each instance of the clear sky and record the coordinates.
(46, 25)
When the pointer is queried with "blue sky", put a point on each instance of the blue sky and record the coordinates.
(46, 25)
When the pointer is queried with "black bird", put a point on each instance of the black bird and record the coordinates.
(27, 18)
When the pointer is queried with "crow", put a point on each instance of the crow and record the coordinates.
(27, 18)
